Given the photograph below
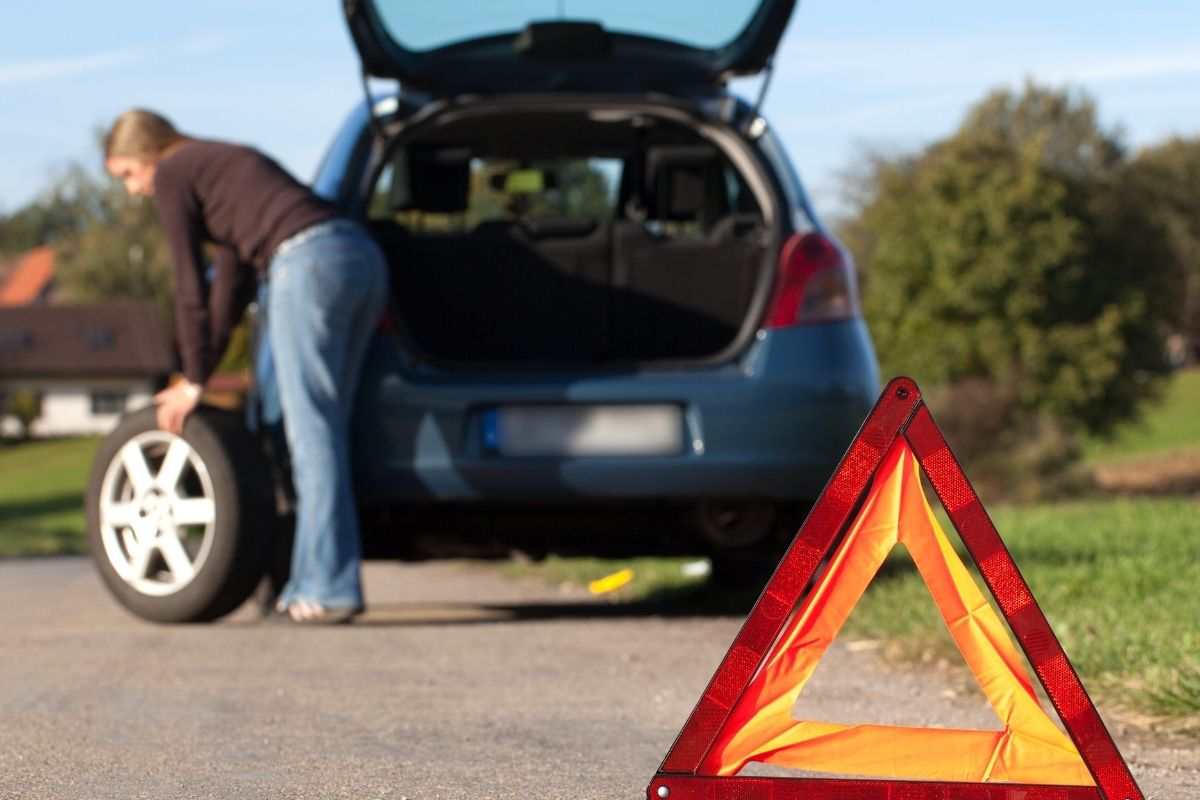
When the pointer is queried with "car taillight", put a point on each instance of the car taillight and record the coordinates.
(816, 283)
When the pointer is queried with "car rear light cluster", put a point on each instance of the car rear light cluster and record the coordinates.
(816, 283)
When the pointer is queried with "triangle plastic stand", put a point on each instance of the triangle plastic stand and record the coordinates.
(686, 772)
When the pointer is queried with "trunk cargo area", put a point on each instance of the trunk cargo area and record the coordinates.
(667, 268)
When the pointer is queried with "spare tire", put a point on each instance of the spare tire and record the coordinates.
(179, 527)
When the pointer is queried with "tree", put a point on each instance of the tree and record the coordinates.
(118, 250)
(26, 406)
(1009, 261)
(70, 204)
(1166, 179)
(108, 245)
(121, 254)
(1064, 122)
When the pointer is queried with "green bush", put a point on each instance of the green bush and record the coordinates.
(1166, 179)
(26, 406)
(1011, 455)
(1010, 262)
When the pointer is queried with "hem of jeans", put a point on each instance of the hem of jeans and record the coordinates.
(331, 604)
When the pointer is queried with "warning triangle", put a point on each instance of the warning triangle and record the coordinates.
(873, 502)
(760, 727)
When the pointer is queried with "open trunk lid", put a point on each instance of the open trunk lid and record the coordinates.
(565, 45)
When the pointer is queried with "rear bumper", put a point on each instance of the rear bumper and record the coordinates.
(771, 424)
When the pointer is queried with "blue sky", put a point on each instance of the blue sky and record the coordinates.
(280, 74)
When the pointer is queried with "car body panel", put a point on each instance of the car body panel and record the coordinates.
(770, 424)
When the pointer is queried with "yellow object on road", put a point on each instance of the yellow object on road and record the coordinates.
(610, 583)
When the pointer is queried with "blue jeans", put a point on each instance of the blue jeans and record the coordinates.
(325, 291)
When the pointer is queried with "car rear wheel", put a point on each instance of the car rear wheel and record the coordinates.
(735, 524)
(747, 538)
(179, 526)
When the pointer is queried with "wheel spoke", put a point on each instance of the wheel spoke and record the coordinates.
(172, 466)
(136, 467)
(119, 515)
(178, 561)
(194, 511)
(139, 556)
(129, 538)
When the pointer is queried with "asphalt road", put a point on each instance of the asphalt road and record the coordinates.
(457, 684)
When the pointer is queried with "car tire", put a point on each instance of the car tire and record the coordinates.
(180, 527)
(753, 538)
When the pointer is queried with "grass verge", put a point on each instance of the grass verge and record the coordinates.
(1116, 578)
(1169, 426)
(41, 496)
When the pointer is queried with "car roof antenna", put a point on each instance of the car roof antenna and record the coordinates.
(755, 124)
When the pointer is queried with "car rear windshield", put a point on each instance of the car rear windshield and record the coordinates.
(500, 188)
(425, 26)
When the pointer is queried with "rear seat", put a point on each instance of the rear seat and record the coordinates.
(504, 291)
(564, 290)
(554, 293)
(681, 297)
(683, 279)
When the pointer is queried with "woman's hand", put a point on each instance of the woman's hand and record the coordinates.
(174, 404)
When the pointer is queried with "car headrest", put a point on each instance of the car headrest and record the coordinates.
(682, 183)
(432, 180)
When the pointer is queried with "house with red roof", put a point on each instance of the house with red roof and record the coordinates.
(86, 364)
(30, 280)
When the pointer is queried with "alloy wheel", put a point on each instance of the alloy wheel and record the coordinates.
(157, 513)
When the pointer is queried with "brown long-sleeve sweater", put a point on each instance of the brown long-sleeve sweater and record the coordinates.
(245, 203)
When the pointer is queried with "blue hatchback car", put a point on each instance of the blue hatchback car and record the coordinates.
(616, 324)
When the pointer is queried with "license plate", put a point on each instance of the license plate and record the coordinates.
(637, 430)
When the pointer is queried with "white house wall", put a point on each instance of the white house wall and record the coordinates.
(67, 406)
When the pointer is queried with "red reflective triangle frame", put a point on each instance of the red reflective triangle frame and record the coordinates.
(900, 411)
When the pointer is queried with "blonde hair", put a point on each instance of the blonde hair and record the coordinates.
(139, 133)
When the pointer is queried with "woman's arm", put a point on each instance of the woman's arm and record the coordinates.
(232, 289)
(180, 215)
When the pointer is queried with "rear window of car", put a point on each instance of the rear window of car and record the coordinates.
(578, 188)
(423, 25)
(499, 189)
